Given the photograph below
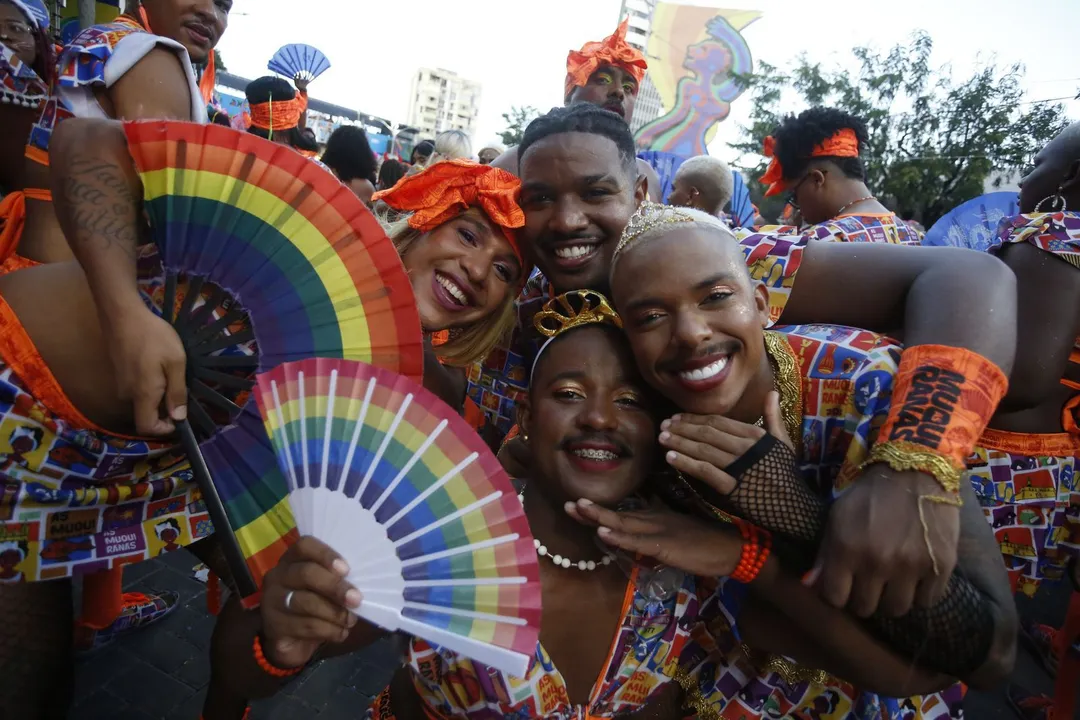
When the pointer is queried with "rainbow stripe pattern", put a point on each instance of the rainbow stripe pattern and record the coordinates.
(304, 259)
(396, 482)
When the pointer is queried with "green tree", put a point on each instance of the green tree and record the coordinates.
(516, 121)
(219, 64)
(934, 141)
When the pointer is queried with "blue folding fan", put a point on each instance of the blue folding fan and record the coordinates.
(741, 207)
(974, 223)
(298, 60)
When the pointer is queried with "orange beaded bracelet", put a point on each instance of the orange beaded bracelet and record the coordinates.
(267, 667)
(757, 544)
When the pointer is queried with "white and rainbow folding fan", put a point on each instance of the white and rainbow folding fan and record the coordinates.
(402, 487)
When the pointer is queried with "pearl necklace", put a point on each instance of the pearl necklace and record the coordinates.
(563, 562)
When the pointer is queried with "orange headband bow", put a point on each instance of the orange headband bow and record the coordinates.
(278, 115)
(843, 144)
(612, 50)
(449, 188)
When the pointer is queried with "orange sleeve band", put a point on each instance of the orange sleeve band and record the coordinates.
(942, 400)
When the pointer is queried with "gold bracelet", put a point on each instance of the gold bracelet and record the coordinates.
(905, 457)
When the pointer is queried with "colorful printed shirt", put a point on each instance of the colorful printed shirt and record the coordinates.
(872, 227)
(642, 660)
(836, 385)
(97, 58)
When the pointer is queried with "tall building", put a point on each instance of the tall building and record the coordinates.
(648, 106)
(442, 100)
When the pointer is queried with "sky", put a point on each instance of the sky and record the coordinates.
(517, 48)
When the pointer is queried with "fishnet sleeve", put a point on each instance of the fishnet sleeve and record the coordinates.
(952, 637)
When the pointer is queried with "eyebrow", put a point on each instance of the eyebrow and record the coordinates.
(704, 284)
(598, 179)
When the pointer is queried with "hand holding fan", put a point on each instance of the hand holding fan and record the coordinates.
(267, 258)
(400, 486)
(299, 61)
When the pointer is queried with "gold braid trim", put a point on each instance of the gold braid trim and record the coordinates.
(788, 382)
(694, 699)
(904, 456)
(789, 671)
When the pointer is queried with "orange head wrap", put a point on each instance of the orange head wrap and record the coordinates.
(449, 188)
(278, 115)
(612, 50)
(842, 144)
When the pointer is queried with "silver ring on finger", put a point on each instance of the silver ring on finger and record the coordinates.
(288, 600)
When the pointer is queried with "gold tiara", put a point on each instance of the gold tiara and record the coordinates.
(650, 215)
(594, 310)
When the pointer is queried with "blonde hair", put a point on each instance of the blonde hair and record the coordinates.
(451, 145)
(469, 344)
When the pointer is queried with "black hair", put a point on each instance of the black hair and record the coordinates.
(391, 171)
(263, 89)
(349, 155)
(797, 136)
(424, 148)
(218, 118)
(301, 139)
(583, 118)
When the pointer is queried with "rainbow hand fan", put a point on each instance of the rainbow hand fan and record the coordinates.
(299, 61)
(396, 482)
(267, 259)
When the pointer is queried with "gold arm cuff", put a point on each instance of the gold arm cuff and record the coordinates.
(905, 457)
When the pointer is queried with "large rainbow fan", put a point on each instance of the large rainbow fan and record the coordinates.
(299, 61)
(267, 258)
(396, 482)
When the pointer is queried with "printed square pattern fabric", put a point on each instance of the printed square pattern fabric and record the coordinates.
(845, 381)
(81, 64)
(641, 662)
(75, 499)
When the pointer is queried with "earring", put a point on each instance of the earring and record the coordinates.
(524, 437)
(1054, 200)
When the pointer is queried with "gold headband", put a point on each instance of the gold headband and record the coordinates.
(594, 310)
(649, 216)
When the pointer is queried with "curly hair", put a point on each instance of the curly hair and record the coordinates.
(797, 136)
(349, 154)
(583, 118)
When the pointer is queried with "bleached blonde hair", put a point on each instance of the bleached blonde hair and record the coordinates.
(711, 176)
(451, 145)
(469, 344)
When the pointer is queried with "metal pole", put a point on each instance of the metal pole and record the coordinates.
(87, 13)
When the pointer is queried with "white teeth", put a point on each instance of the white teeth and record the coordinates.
(453, 289)
(707, 372)
(574, 251)
(592, 454)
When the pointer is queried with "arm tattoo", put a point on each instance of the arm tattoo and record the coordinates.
(99, 204)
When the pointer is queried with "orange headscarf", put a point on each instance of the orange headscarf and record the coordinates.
(278, 115)
(612, 50)
(449, 188)
(843, 144)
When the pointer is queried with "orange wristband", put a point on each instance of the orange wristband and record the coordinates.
(267, 667)
(757, 544)
(942, 400)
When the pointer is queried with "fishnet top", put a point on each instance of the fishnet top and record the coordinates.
(952, 637)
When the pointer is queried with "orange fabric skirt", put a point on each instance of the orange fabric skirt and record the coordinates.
(12, 222)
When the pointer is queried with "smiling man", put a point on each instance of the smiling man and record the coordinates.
(850, 401)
